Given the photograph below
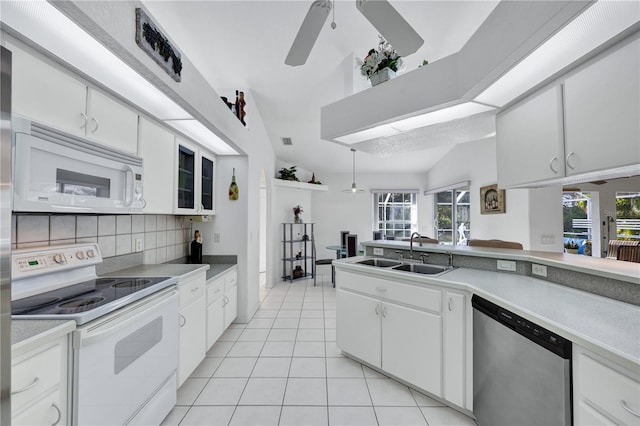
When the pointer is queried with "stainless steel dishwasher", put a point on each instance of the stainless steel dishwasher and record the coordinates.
(521, 371)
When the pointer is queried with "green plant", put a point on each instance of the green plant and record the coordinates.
(571, 245)
(288, 173)
(384, 57)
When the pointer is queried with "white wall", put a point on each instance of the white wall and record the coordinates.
(530, 213)
(335, 210)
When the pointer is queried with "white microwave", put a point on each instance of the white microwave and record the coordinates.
(57, 172)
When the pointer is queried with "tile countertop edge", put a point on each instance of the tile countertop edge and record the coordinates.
(461, 278)
(627, 271)
(27, 335)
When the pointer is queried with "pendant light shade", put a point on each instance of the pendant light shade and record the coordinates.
(354, 189)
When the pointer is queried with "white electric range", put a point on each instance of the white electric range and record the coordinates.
(125, 346)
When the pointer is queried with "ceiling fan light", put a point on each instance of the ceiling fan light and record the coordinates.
(391, 25)
(308, 33)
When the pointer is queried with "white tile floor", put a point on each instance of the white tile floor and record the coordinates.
(283, 368)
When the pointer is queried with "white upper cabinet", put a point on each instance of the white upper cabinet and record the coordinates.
(44, 93)
(156, 147)
(588, 121)
(602, 112)
(111, 123)
(529, 140)
(195, 179)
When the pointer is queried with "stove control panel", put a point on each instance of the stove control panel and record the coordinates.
(34, 261)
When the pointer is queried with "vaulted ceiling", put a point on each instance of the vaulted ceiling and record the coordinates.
(242, 44)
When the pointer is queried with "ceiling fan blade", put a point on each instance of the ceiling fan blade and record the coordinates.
(308, 32)
(391, 25)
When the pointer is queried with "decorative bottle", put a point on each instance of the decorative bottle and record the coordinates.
(233, 188)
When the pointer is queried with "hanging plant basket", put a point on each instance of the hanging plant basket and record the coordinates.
(381, 76)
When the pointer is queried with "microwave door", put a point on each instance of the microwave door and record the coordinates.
(60, 178)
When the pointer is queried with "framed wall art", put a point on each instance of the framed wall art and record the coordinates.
(492, 200)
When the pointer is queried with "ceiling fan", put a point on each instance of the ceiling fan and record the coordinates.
(384, 17)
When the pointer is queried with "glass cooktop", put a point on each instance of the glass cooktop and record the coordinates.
(72, 302)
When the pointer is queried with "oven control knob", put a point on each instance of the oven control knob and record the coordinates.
(91, 253)
(58, 258)
(80, 254)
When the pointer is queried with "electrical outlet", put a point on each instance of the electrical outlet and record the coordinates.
(216, 237)
(506, 265)
(548, 239)
(139, 246)
(378, 251)
(538, 270)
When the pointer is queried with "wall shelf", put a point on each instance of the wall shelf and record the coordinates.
(299, 185)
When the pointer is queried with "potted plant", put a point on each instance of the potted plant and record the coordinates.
(381, 64)
(288, 173)
(571, 247)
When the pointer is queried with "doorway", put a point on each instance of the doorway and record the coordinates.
(262, 239)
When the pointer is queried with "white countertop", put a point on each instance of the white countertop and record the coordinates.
(608, 268)
(29, 334)
(160, 270)
(600, 324)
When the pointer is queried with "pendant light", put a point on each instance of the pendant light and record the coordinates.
(354, 189)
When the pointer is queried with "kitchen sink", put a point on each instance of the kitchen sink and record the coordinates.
(381, 263)
(421, 268)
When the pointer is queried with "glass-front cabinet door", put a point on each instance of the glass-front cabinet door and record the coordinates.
(207, 194)
(187, 184)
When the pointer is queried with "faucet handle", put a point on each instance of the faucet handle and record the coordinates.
(401, 254)
(423, 256)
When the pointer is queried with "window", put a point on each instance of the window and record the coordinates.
(576, 217)
(628, 215)
(452, 210)
(396, 213)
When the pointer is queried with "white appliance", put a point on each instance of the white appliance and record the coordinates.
(125, 347)
(58, 172)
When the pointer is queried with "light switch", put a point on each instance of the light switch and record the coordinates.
(540, 270)
(506, 265)
(377, 251)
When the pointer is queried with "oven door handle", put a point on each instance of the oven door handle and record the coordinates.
(125, 317)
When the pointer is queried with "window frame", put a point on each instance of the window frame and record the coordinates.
(398, 226)
(455, 203)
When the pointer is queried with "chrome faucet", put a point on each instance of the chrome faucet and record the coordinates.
(411, 243)
(450, 259)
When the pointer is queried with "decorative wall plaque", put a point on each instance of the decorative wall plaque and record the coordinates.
(492, 200)
(152, 41)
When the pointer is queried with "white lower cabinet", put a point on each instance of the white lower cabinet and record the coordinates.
(358, 327)
(230, 296)
(604, 392)
(403, 329)
(222, 304)
(192, 330)
(39, 386)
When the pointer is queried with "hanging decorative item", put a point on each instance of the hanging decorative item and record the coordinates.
(382, 64)
(152, 41)
(237, 108)
(233, 188)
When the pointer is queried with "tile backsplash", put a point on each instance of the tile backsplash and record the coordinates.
(162, 237)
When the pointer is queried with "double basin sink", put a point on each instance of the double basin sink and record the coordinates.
(417, 268)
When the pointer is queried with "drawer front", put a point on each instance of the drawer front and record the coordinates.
(191, 289)
(407, 294)
(609, 389)
(215, 290)
(31, 377)
(47, 411)
(230, 279)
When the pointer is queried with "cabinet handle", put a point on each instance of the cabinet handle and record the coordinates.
(95, 120)
(193, 290)
(551, 163)
(383, 289)
(27, 387)
(59, 414)
(624, 405)
(450, 304)
(377, 311)
(217, 291)
(226, 300)
(568, 161)
(184, 320)
(384, 312)
(86, 120)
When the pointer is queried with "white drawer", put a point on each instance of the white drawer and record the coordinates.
(609, 389)
(47, 411)
(191, 289)
(412, 295)
(230, 279)
(215, 290)
(31, 377)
